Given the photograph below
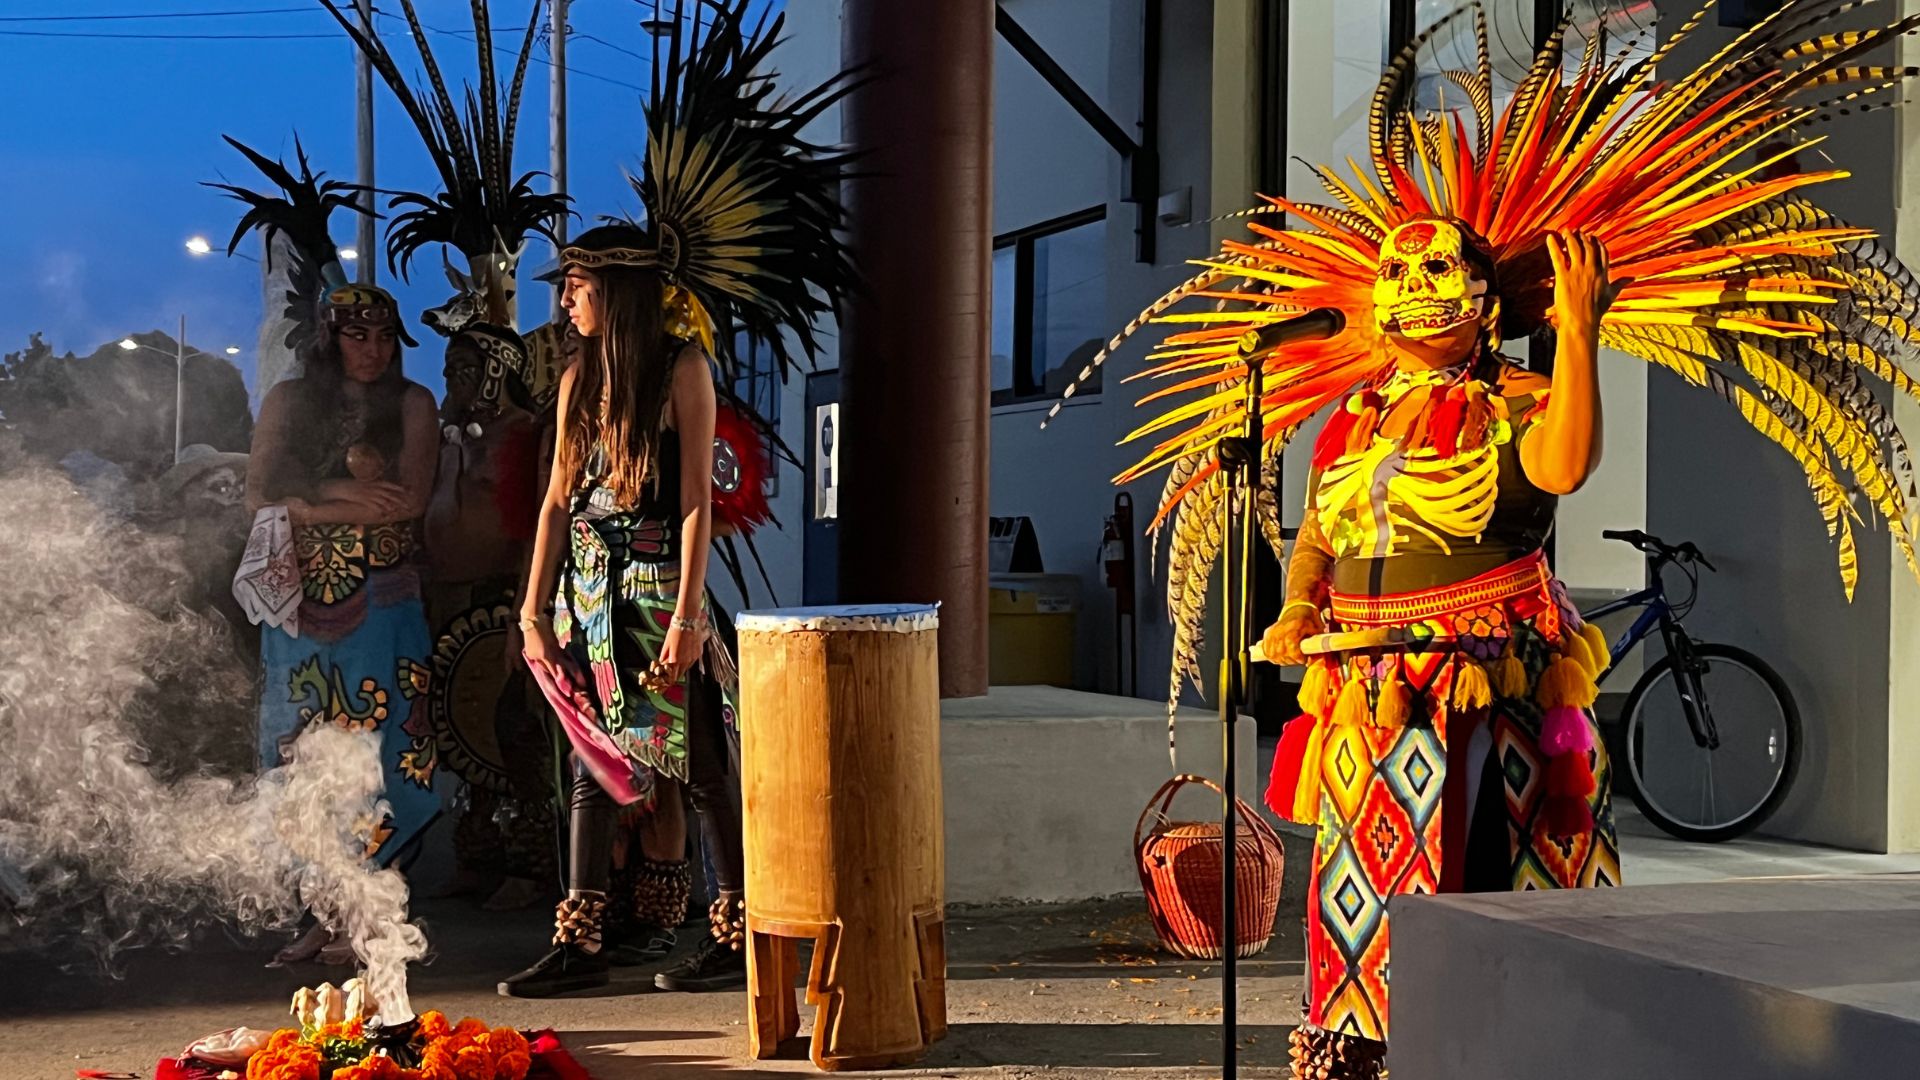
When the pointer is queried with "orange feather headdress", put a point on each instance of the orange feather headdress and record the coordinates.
(1732, 279)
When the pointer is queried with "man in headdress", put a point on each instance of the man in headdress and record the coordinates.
(479, 524)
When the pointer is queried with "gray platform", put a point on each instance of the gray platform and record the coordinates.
(1043, 787)
(1765, 979)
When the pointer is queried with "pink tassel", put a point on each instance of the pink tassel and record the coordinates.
(1564, 730)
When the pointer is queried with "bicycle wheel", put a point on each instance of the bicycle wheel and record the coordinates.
(1712, 795)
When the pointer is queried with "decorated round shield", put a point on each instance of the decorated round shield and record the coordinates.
(464, 699)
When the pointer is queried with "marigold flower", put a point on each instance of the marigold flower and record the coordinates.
(285, 1058)
(505, 1040)
(513, 1065)
(433, 1025)
(473, 1063)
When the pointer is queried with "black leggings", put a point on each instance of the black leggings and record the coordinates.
(712, 784)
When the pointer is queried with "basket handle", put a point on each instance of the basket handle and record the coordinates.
(1172, 787)
(1169, 790)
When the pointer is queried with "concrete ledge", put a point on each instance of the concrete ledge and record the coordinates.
(1043, 786)
(1762, 979)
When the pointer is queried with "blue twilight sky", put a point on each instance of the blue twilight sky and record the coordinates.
(104, 141)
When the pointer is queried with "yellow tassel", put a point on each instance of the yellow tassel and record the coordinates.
(1509, 676)
(1565, 682)
(1574, 647)
(1395, 705)
(1306, 790)
(1351, 709)
(1316, 690)
(1470, 687)
(1597, 645)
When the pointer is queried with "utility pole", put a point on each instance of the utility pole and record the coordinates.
(180, 391)
(557, 121)
(363, 72)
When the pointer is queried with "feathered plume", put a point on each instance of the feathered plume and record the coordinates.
(300, 212)
(752, 203)
(481, 210)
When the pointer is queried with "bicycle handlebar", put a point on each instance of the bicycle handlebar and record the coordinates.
(1653, 545)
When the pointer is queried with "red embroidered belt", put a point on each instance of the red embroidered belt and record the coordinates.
(1524, 577)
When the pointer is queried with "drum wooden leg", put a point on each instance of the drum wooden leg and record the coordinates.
(773, 963)
(864, 984)
(930, 984)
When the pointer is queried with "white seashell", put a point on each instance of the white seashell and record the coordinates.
(231, 1047)
(360, 1003)
(333, 1004)
(305, 1002)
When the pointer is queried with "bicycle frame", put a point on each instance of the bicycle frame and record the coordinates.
(1658, 613)
(1653, 599)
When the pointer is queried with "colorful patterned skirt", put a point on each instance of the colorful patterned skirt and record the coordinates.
(361, 650)
(615, 603)
(1495, 673)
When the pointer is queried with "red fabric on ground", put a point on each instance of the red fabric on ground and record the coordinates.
(551, 1060)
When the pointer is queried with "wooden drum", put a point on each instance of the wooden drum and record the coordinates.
(840, 782)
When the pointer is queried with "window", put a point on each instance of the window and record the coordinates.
(1049, 306)
(756, 379)
(757, 383)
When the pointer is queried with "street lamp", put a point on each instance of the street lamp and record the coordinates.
(348, 254)
(199, 246)
(233, 350)
(179, 381)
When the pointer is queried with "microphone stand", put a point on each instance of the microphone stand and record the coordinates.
(1240, 457)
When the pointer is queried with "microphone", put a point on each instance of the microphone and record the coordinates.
(1316, 325)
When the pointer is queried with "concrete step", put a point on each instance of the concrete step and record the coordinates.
(1761, 979)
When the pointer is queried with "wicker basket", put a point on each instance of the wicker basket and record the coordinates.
(1179, 864)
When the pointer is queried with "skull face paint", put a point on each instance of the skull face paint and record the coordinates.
(1425, 286)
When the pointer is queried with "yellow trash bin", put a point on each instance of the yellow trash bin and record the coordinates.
(1030, 629)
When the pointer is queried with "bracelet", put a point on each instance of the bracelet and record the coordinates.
(1291, 604)
(530, 622)
(695, 625)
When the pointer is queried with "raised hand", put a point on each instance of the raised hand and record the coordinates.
(1582, 286)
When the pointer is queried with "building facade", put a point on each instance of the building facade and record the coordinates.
(1233, 97)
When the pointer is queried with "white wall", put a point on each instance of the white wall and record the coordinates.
(1060, 477)
(810, 53)
(1046, 160)
(1713, 480)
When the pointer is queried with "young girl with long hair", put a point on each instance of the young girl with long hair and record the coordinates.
(616, 622)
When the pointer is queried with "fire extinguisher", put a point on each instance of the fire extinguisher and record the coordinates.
(1116, 554)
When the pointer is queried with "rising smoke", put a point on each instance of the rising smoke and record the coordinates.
(114, 693)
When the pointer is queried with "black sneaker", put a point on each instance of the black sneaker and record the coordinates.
(566, 969)
(712, 966)
(638, 943)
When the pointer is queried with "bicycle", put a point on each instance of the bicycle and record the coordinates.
(1725, 763)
